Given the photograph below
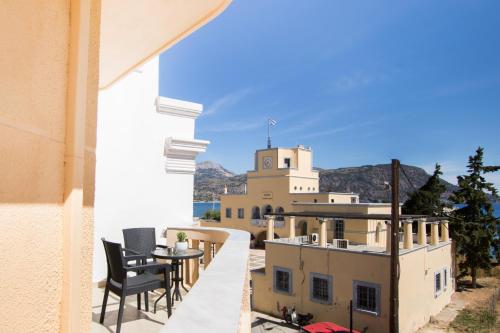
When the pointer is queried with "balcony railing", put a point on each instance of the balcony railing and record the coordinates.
(263, 223)
(218, 300)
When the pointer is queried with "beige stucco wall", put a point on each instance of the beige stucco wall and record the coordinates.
(35, 40)
(417, 298)
(344, 267)
(32, 134)
(416, 288)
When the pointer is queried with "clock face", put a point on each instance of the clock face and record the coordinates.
(268, 162)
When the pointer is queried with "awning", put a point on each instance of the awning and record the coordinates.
(134, 31)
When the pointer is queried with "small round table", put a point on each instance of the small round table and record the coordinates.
(176, 257)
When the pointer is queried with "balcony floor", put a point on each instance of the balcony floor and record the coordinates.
(133, 320)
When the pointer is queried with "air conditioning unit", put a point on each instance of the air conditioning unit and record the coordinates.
(341, 243)
(313, 238)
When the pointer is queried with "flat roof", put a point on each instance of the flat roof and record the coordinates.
(356, 216)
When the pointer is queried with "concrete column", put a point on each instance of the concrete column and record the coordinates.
(434, 233)
(322, 232)
(218, 247)
(270, 228)
(193, 264)
(408, 235)
(291, 226)
(388, 237)
(445, 231)
(207, 253)
(422, 233)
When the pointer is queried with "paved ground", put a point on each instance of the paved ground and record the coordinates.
(257, 259)
(262, 323)
(459, 300)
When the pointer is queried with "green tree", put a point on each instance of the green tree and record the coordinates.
(473, 226)
(427, 199)
(212, 215)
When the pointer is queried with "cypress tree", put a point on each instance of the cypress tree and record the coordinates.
(473, 226)
(427, 199)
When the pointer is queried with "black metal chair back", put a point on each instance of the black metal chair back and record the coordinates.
(116, 263)
(140, 240)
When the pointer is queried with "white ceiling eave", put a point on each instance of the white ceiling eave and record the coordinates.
(132, 31)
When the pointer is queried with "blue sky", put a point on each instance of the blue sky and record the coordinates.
(360, 82)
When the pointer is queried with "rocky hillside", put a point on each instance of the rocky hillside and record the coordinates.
(367, 180)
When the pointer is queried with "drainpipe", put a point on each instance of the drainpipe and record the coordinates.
(408, 236)
(322, 232)
(291, 226)
(270, 228)
(445, 232)
(422, 233)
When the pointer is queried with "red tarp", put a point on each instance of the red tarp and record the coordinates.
(326, 327)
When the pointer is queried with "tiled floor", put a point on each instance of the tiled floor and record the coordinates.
(141, 321)
(133, 320)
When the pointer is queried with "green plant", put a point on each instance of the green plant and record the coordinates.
(182, 236)
(473, 226)
(212, 215)
(427, 199)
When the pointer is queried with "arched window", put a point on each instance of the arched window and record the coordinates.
(302, 226)
(377, 232)
(279, 210)
(266, 210)
(255, 213)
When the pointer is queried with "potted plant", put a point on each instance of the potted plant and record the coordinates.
(182, 243)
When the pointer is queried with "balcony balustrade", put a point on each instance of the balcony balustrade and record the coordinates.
(219, 298)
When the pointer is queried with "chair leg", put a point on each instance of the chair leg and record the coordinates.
(167, 290)
(120, 313)
(104, 303)
(138, 301)
(146, 301)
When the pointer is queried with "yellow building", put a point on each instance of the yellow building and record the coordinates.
(325, 249)
(283, 177)
(322, 280)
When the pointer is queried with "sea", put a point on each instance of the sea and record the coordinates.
(199, 208)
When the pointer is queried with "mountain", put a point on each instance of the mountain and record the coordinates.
(368, 181)
(210, 179)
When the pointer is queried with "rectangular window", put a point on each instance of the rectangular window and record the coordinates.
(287, 163)
(282, 280)
(437, 283)
(320, 288)
(354, 200)
(366, 297)
(445, 278)
(339, 229)
(228, 213)
(241, 213)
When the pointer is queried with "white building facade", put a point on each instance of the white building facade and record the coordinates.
(145, 156)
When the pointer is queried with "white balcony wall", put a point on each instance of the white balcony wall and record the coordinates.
(133, 186)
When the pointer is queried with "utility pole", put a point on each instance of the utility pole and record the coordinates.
(394, 295)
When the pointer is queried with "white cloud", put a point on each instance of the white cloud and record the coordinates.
(238, 126)
(227, 101)
(336, 130)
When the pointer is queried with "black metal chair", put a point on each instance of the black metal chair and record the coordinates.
(123, 285)
(143, 242)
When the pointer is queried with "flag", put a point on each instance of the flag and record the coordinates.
(272, 122)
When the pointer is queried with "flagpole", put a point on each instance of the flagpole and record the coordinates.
(268, 134)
